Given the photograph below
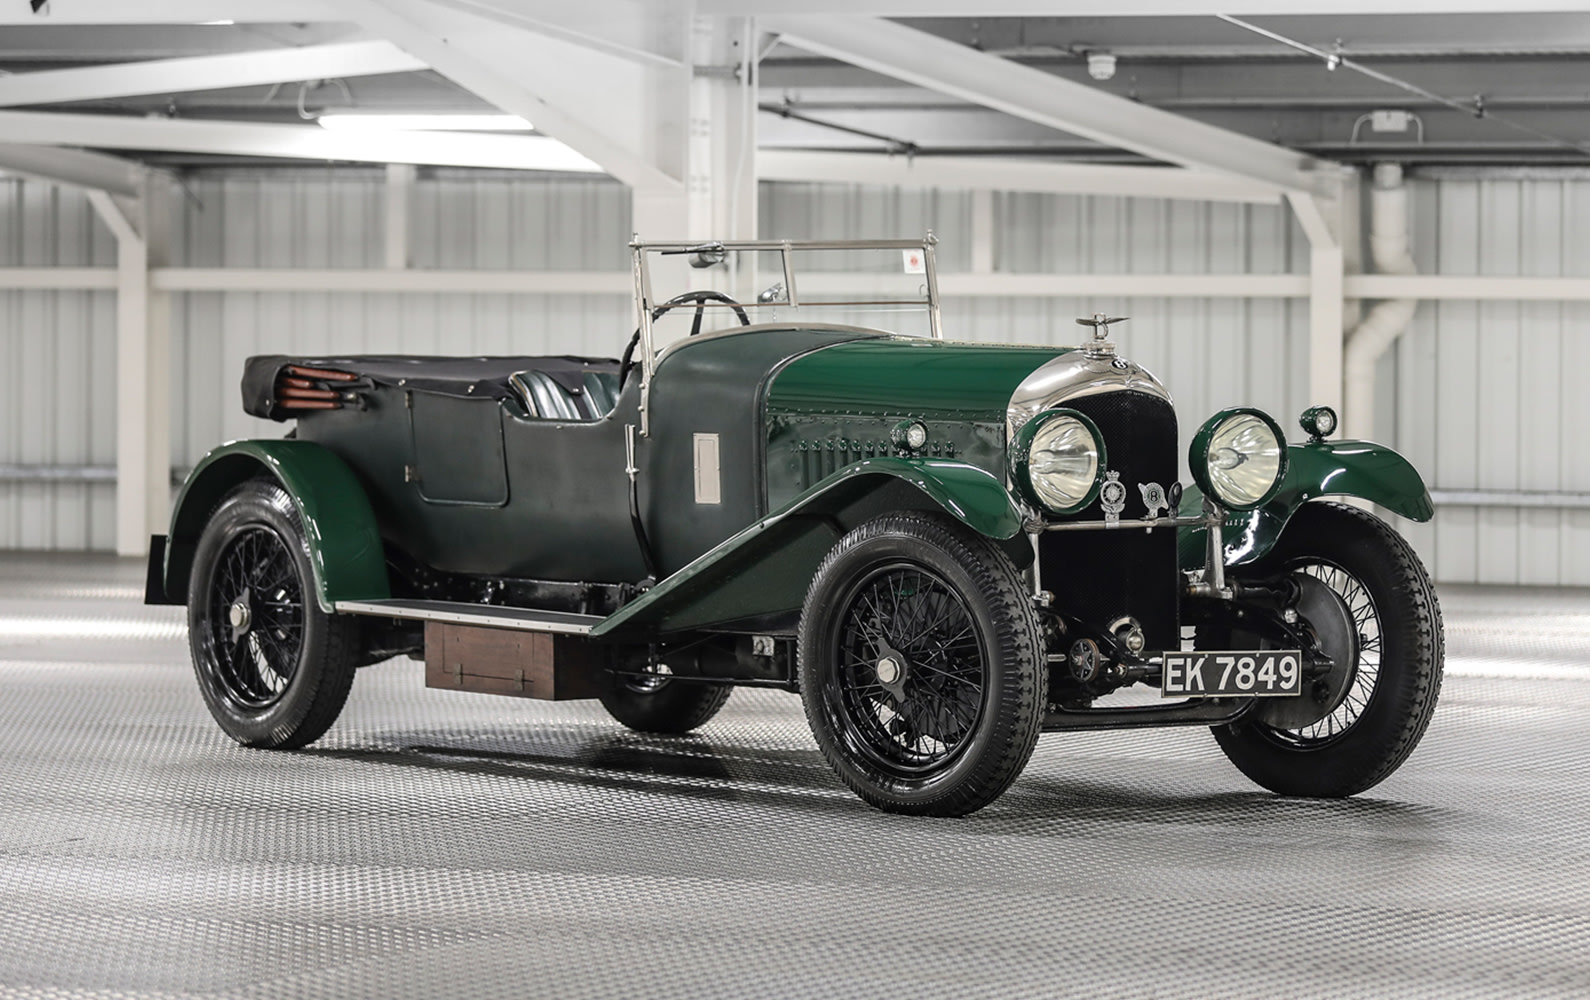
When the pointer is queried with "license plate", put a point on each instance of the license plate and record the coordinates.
(1247, 673)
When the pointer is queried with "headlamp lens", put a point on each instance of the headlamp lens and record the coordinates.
(1063, 463)
(1244, 459)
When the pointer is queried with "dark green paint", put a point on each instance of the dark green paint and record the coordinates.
(903, 377)
(549, 499)
(805, 449)
(766, 568)
(841, 405)
(1356, 468)
(566, 512)
(1320, 468)
(344, 545)
(715, 385)
(458, 449)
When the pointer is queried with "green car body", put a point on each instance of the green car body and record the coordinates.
(713, 515)
(803, 417)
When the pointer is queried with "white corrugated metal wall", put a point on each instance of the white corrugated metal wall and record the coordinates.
(57, 372)
(1486, 403)
(1491, 396)
(296, 220)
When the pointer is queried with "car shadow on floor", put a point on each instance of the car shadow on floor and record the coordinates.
(696, 767)
(1089, 799)
(690, 766)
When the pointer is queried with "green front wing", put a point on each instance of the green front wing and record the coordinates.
(765, 569)
(1320, 468)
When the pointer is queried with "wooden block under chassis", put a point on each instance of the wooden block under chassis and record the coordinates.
(511, 662)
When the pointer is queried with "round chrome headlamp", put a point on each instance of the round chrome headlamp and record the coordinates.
(1059, 461)
(1238, 458)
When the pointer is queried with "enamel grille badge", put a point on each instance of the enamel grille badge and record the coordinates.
(1153, 498)
(1156, 499)
(1112, 496)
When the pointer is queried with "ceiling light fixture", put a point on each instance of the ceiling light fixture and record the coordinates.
(1101, 65)
(424, 123)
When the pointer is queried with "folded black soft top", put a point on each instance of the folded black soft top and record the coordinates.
(469, 377)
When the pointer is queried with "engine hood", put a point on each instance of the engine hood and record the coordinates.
(898, 377)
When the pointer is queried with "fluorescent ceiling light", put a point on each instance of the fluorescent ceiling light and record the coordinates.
(425, 123)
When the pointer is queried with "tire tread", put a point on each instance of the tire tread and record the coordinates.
(1344, 769)
(997, 579)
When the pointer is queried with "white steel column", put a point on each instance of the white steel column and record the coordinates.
(723, 113)
(1325, 321)
(715, 102)
(143, 367)
(1321, 220)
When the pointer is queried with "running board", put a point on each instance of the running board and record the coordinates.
(483, 615)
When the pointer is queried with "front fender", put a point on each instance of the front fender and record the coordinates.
(344, 543)
(967, 493)
(765, 569)
(1320, 468)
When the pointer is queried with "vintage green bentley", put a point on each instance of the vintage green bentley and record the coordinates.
(945, 548)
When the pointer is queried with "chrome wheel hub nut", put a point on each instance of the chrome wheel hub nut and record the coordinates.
(889, 670)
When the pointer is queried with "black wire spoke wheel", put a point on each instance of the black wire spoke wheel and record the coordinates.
(920, 665)
(274, 668)
(1388, 659)
(256, 618)
(911, 674)
(1365, 669)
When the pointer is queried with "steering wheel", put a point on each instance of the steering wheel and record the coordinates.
(700, 299)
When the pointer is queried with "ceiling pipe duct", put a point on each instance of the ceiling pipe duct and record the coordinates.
(1380, 328)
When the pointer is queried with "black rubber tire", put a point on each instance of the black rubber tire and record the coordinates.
(671, 707)
(972, 581)
(320, 665)
(1405, 688)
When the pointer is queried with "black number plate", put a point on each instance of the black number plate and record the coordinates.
(1213, 673)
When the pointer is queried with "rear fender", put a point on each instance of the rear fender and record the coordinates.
(344, 542)
(765, 569)
(1320, 468)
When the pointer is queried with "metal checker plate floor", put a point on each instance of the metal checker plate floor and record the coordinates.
(453, 845)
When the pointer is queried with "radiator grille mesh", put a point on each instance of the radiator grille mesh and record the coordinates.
(1101, 575)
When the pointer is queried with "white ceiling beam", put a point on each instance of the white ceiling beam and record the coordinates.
(308, 142)
(1123, 8)
(72, 166)
(70, 12)
(614, 27)
(591, 101)
(997, 173)
(241, 69)
(1023, 92)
